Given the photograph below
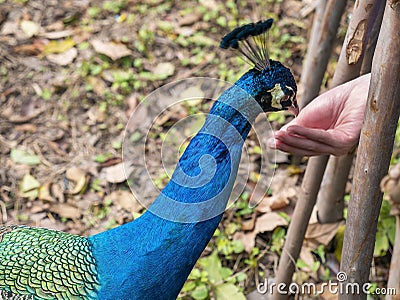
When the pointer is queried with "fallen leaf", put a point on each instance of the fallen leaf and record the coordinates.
(58, 46)
(115, 173)
(29, 28)
(55, 35)
(164, 70)
(23, 157)
(267, 222)
(26, 127)
(126, 200)
(29, 187)
(318, 234)
(44, 192)
(189, 19)
(64, 58)
(98, 85)
(66, 210)
(228, 291)
(307, 257)
(79, 178)
(30, 49)
(193, 95)
(249, 224)
(111, 49)
(132, 102)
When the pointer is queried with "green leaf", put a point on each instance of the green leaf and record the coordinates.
(381, 244)
(29, 187)
(212, 265)
(195, 274)
(225, 272)
(238, 246)
(241, 276)
(301, 264)
(23, 157)
(189, 286)
(135, 137)
(228, 291)
(200, 292)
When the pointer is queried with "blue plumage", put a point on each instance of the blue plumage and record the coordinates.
(151, 257)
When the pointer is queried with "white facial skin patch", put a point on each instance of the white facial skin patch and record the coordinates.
(277, 95)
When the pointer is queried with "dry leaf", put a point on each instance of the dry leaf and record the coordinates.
(29, 28)
(111, 49)
(98, 85)
(116, 173)
(194, 93)
(282, 199)
(79, 178)
(126, 200)
(66, 210)
(31, 49)
(249, 224)
(55, 35)
(64, 58)
(44, 192)
(189, 19)
(248, 240)
(318, 234)
(26, 127)
(29, 187)
(267, 222)
(163, 70)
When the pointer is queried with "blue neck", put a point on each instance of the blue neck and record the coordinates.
(151, 257)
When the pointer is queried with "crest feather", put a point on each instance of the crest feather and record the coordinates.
(251, 40)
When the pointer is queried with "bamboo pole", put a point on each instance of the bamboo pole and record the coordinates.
(348, 68)
(330, 200)
(374, 153)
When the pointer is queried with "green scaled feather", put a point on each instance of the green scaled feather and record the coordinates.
(37, 263)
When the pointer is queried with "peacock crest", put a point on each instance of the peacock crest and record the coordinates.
(251, 40)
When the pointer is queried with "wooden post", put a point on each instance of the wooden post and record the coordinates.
(320, 48)
(330, 201)
(348, 68)
(374, 153)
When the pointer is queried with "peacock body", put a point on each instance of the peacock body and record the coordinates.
(151, 257)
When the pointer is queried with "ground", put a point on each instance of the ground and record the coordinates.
(72, 73)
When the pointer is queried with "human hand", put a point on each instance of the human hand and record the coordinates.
(330, 124)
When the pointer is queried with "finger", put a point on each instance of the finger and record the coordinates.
(294, 150)
(307, 145)
(337, 138)
(319, 135)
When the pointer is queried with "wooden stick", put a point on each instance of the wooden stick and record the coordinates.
(374, 153)
(330, 201)
(348, 68)
(320, 47)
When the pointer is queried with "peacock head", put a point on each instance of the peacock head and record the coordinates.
(270, 83)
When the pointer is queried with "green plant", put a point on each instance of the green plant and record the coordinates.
(209, 279)
(386, 230)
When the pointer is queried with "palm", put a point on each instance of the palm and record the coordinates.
(331, 124)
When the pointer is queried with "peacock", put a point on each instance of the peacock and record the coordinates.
(152, 256)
